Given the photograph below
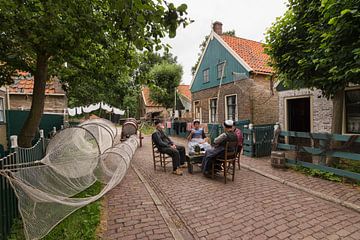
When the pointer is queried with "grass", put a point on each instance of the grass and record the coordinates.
(147, 129)
(81, 224)
(318, 173)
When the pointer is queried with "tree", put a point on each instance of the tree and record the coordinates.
(40, 36)
(166, 78)
(316, 44)
(202, 48)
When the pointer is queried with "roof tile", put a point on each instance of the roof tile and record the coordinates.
(27, 85)
(251, 52)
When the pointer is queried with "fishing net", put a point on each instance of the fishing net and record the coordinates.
(75, 159)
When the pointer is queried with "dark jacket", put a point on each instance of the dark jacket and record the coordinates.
(161, 140)
(225, 137)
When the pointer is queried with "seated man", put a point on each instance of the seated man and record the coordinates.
(219, 148)
(197, 137)
(165, 145)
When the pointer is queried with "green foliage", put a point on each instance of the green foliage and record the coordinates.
(165, 78)
(316, 45)
(147, 128)
(99, 41)
(318, 173)
(349, 165)
(202, 48)
(81, 224)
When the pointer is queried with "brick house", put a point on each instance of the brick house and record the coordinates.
(233, 81)
(150, 109)
(307, 110)
(20, 94)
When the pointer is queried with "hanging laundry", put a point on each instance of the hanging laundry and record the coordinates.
(118, 111)
(78, 110)
(71, 111)
(106, 107)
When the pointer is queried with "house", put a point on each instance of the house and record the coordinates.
(20, 94)
(233, 81)
(306, 110)
(150, 109)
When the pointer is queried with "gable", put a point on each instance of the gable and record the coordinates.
(215, 53)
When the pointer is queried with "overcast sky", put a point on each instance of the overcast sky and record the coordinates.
(249, 19)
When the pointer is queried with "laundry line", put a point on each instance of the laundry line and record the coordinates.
(93, 107)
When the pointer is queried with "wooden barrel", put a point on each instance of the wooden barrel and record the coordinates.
(129, 128)
(278, 159)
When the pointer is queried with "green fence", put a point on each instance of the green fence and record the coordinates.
(15, 120)
(215, 129)
(20, 157)
(257, 140)
(322, 148)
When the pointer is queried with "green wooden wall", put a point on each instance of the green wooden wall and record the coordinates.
(215, 54)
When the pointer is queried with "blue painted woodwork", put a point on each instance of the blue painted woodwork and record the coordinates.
(214, 54)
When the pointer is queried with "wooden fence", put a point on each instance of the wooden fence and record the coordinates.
(321, 148)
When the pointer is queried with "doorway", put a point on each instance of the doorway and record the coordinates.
(299, 120)
(298, 114)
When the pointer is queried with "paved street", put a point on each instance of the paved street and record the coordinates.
(251, 207)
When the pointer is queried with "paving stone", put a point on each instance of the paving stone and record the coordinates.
(251, 207)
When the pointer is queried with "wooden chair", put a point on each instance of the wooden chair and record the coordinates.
(159, 157)
(227, 161)
(238, 155)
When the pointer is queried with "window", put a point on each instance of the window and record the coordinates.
(206, 75)
(220, 67)
(231, 107)
(213, 110)
(2, 111)
(352, 111)
(197, 110)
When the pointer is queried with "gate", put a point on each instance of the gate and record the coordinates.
(257, 140)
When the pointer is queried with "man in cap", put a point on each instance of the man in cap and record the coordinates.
(219, 148)
(197, 137)
(165, 145)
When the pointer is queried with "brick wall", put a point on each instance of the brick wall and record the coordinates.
(53, 103)
(254, 101)
(265, 101)
(321, 108)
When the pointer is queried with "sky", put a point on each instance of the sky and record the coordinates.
(249, 19)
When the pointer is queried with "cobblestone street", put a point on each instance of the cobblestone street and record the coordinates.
(251, 207)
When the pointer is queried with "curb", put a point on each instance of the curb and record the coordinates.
(304, 189)
(171, 225)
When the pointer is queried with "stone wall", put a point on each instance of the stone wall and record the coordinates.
(320, 106)
(254, 101)
(53, 103)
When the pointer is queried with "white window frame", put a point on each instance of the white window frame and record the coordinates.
(206, 77)
(217, 69)
(236, 106)
(200, 111)
(216, 111)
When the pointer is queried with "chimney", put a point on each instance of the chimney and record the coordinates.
(217, 27)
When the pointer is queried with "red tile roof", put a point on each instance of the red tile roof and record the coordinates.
(182, 89)
(147, 99)
(26, 85)
(250, 51)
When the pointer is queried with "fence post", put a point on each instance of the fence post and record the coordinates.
(42, 141)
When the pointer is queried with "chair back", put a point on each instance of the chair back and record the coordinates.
(231, 150)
